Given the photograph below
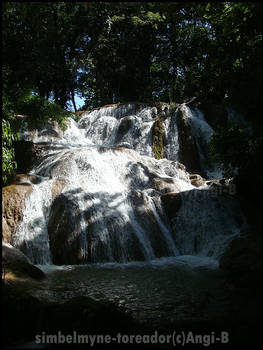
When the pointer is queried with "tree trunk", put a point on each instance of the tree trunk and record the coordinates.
(73, 101)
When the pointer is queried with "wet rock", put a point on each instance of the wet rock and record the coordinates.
(197, 180)
(57, 187)
(84, 123)
(188, 150)
(64, 229)
(6, 231)
(24, 179)
(171, 203)
(53, 130)
(16, 262)
(211, 182)
(125, 147)
(144, 215)
(81, 112)
(122, 145)
(13, 202)
(27, 153)
(165, 185)
(223, 181)
(154, 112)
(124, 127)
(220, 186)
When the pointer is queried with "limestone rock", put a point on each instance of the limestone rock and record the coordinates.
(16, 262)
(165, 185)
(145, 217)
(171, 203)
(57, 187)
(6, 231)
(196, 180)
(26, 153)
(64, 230)
(125, 125)
(13, 201)
(26, 179)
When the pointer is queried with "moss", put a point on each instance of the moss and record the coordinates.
(158, 139)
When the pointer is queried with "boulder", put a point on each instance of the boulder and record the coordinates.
(13, 202)
(17, 263)
(165, 185)
(64, 229)
(188, 150)
(171, 203)
(124, 127)
(197, 180)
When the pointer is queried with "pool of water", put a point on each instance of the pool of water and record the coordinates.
(166, 289)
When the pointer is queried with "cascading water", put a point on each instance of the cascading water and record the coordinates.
(101, 193)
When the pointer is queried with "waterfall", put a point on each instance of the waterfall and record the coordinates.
(101, 194)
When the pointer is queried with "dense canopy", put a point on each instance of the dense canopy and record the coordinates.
(110, 52)
(122, 51)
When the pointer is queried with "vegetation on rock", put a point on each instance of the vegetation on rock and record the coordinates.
(158, 139)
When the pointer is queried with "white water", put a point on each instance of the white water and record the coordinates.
(110, 203)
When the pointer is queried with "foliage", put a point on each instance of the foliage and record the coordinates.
(232, 147)
(117, 52)
(8, 155)
(39, 111)
(8, 109)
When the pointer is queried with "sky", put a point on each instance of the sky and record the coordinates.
(79, 102)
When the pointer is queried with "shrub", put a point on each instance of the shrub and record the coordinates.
(8, 154)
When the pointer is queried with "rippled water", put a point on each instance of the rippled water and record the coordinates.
(162, 290)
